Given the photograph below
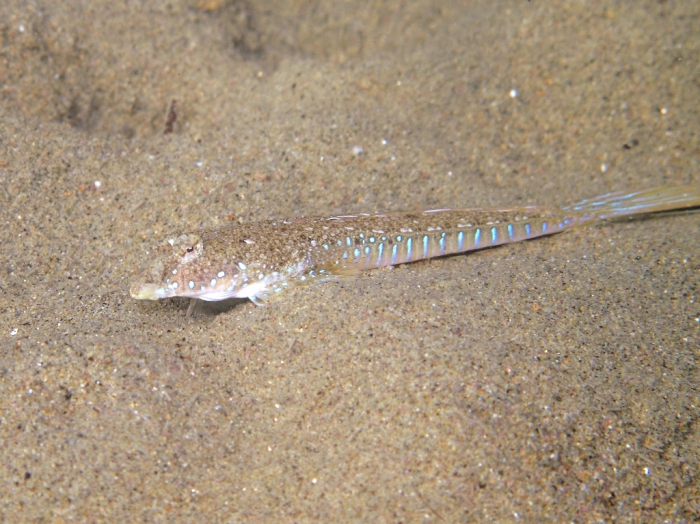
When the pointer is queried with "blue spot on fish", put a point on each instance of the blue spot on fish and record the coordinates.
(494, 235)
(460, 241)
(477, 237)
(528, 229)
(511, 232)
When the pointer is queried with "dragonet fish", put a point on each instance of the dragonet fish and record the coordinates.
(262, 260)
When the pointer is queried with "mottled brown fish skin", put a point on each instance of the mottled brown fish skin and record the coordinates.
(261, 259)
(222, 263)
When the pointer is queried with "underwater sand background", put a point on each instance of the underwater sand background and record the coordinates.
(553, 380)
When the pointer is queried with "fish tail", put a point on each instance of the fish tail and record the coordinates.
(612, 205)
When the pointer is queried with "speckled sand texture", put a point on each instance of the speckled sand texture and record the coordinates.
(549, 381)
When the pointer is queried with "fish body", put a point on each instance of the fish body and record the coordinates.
(261, 260)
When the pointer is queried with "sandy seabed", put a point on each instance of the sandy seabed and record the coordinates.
(548, 381)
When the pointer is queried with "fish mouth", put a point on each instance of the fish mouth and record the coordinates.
(146, 291)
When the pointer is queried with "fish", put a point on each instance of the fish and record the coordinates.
(264, 260)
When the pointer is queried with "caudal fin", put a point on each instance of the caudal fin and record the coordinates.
(649, 201)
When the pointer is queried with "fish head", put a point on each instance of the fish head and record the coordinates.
(205, 267)
(172, 265)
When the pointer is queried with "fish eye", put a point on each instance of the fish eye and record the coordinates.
(189, 249)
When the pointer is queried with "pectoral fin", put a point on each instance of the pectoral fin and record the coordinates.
(318, 274)
(270, 293)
